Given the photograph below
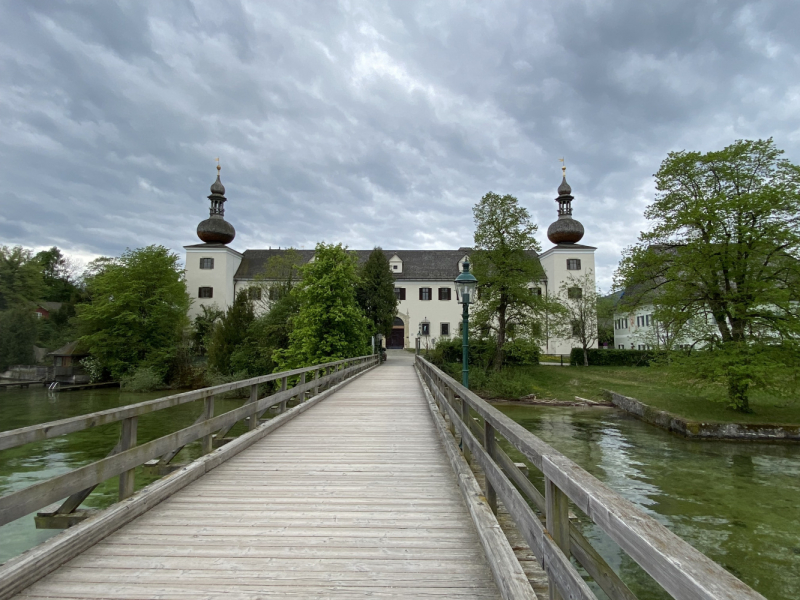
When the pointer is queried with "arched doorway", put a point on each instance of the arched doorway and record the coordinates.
(397, 339)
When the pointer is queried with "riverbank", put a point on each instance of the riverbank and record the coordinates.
(657, 387)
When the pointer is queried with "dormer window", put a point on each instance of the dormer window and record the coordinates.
(396, 264)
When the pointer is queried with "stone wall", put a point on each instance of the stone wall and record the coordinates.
(700, 430)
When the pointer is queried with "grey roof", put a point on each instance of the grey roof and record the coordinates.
(433, 265)
(71, 349)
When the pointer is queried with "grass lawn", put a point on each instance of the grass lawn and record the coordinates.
(652, 385)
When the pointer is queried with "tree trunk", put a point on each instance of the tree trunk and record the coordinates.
(501, 335)
(585, 357)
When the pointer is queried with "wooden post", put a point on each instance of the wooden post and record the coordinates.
(557, 514)
(302, 381)
(451, 400)
(127, 441)
(208, 412)
(316, 387)
(254, 415)
(489, 443)
(465, 418)
(284, 385)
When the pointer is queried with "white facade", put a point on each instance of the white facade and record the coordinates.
(217, 275)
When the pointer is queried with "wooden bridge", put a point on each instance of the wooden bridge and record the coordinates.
(361, 486)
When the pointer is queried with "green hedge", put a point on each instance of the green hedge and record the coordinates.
(614, 358)
(481, 352)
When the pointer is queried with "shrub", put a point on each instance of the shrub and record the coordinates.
(521, 351)
(144, 379)
(615, 358)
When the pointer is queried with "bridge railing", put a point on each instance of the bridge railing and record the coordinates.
(543, 518)
(77, 484)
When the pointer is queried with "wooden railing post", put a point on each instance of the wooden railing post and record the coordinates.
(302, 381)
(450, 395)
(490, 444)
(465, 419)
(284, 386)
(316, 376)
(254, 415)
(208, 412)
(557, 515)
(127, 441)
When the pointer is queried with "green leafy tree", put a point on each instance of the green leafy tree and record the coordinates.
(17, 337)
(137, 311)
(505, 265)
(724, 240)
(375, 293)
(203, 327)
(605, 319)
(230, 333)
(58, 273)
(21, 281)
(329, 324)
(281, 274)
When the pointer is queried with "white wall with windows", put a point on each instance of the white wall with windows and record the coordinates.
(209, 272)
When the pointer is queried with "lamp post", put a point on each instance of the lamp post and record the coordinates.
(466, 284)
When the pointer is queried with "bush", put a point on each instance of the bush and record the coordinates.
(144, 379)
(521, 351)
(615, 358)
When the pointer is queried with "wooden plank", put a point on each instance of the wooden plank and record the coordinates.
(126, 442)
(557, 513)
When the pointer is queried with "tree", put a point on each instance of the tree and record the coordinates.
(58, 272)
(21, 281)
(137, 311)
(329, 324)
(605, 319)
(17, 337)
(579, 299)
(203, 327)
(375, 293)
(724, 241)
(505, 265)
(280, 275)
(229, 333)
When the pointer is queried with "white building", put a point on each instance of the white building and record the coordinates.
(423, 278)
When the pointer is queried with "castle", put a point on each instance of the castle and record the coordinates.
(424, 279)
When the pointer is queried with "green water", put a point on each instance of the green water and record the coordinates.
(29, 464)
(738, 503)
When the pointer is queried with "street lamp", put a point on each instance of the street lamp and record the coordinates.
(466, 284)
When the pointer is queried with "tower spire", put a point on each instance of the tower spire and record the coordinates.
(215, 229)
(565, 230)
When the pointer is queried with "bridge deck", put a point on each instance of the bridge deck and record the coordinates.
(354, 498)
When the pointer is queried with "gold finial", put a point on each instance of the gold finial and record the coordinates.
(563, 166)
(218, 167)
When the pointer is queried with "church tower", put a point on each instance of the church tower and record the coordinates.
(567, 258)
(210, 266)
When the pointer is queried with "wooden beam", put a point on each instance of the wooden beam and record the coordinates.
(126, 442)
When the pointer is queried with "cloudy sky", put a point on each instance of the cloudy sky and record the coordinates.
(370, 123)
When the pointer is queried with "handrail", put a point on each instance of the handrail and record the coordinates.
(683, 571)
(122, 460)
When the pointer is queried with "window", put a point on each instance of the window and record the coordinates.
(444, 329)
(576, 328)
(573, 264)
(649, 319)
(205, 292)
(425, 293)
(400, 293)
(444, 293)
(425, 328)
(621, 347)
(574, 293)
(536, 291)
(394, 267)
(206, 263)
(254, 293)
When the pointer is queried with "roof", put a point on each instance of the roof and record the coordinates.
(70, 349)
(50, 306)
(418, 265)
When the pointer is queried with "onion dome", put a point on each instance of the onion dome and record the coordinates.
(215, 229)
(565, 230)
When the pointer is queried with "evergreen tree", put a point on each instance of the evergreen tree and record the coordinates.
(57, 272)
(230, 333)
(137, 311)
(17, 337)
(329, 324)
(21, 281)
(375, 293)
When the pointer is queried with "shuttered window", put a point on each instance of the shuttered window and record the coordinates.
(445, 329)
(400, 293)
(205, 292)
(573, 264)
(425, 293)
(444, 293)
(206, 263)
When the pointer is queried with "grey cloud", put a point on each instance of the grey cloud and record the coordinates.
(370, 122)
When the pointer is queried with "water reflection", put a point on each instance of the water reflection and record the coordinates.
(735, 502)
